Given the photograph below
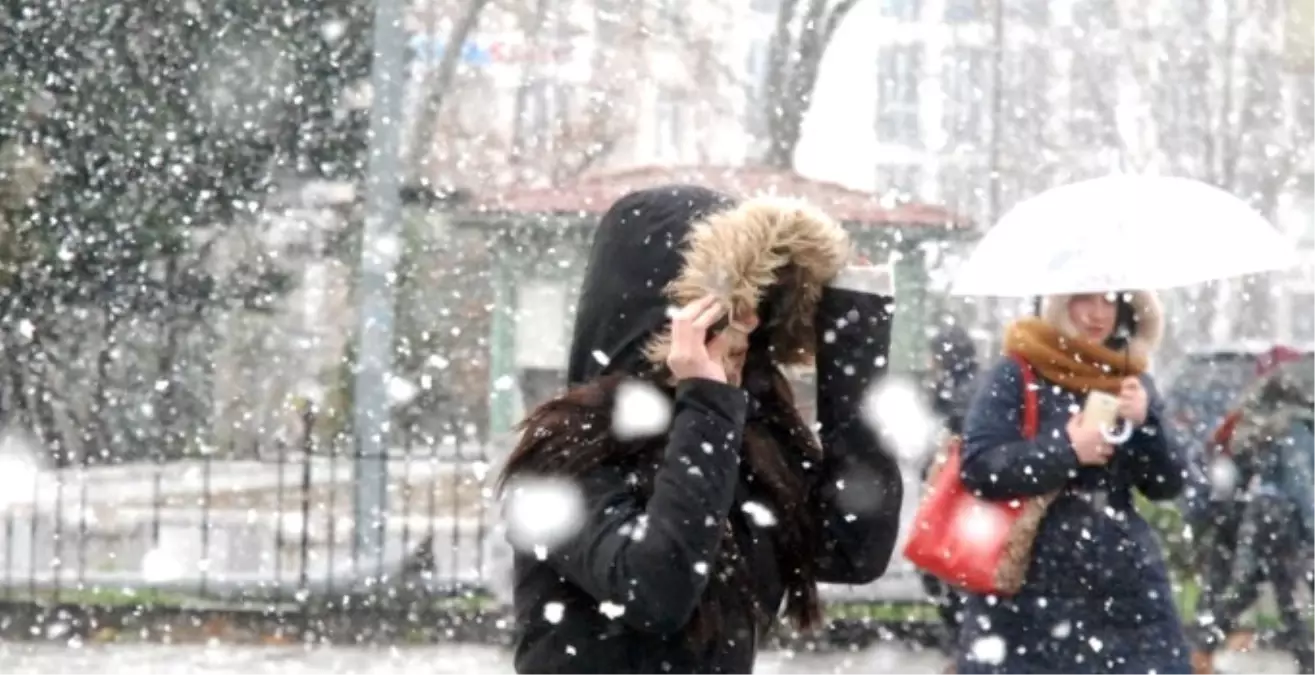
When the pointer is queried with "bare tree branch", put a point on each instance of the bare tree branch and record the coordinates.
(837, 15)
(793, 65)
(422, 142)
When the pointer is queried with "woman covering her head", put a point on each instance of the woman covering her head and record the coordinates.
(1096, 596)
(694, 538)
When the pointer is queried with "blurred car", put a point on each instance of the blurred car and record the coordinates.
(1200, 390)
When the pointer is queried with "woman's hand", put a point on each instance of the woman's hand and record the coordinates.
(692, 354)
(1088, 442)
(1133, 401)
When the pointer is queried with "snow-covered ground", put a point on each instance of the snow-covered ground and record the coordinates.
(435, 660)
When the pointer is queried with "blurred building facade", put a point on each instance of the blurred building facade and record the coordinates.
(906, 103)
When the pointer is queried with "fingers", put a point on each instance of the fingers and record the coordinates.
(684, 330)
(709, 316)
(718, 346)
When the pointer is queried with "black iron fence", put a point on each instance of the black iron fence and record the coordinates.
(262, 547)
(274, 532)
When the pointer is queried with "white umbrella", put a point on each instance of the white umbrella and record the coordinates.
(1122, 232)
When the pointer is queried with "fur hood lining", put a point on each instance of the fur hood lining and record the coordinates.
(1146, 305)
(738, 254)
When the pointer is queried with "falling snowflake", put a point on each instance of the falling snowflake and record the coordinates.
(980, 527)
(19, 469)
(1061, 630)
(641, 411)
(333, 30)
(1223, 476)
(990, 650)
(701, 568)
(636, 529)
(161, 565)
(761, 515)
(858, 490)
(894, 407)
(542, 512)
(401, 391)
(611, 610)
(553, 612)
(387, 246)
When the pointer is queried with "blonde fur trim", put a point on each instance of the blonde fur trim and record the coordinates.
(739, 253)
(1150, 320)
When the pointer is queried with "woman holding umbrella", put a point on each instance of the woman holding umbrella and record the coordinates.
(1096, 597)
(1094, 593)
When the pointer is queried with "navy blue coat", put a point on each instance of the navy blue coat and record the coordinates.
(1097, 597)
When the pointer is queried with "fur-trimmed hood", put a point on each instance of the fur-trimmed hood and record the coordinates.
(764, 243)
(1148, 323)
(664, 247)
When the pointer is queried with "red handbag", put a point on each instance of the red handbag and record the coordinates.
(974, 544)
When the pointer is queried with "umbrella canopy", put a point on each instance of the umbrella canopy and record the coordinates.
(1122, 232)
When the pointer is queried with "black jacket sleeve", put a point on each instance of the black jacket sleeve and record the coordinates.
(1158, 463)
(860, 488)
(998, 462)
(653, 559)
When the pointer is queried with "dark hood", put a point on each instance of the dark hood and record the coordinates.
(669, 246)
(635, 254)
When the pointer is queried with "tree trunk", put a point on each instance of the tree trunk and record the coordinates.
(166, 361)
(525, 89)
(440, 82)
(793, 66)
(101, 432)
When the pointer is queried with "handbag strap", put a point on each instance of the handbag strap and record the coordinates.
(1031, 412)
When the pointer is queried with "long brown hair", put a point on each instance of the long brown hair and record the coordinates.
(570, 435)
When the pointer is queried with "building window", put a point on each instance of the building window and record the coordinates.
(1303, 322)
(1092, 99)
(1034, 13)
(966, 189)
(541, 325)
(1095, 15)
(1026, 104)
(670, 15)
(902, 181)
(1182, 117)
(965, 81)
(904, 10)
(669, 128)
(755, 63)
(1303, 104)
(963, 11)
(1194, 13)
(609, 22)
(755, 81)
(898, 71)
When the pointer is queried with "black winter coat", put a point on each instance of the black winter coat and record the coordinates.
(618, 596)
